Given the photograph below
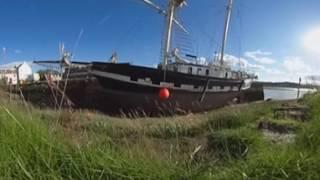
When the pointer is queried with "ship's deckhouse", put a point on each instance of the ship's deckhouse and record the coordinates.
(200, 70)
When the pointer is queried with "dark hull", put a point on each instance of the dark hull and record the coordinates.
(131, 97)
(146, 100)
(115, 102)
(136, 98)
(89, 94)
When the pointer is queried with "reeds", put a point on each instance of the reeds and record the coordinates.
(221, 144)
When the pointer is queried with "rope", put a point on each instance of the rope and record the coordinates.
(68, 74)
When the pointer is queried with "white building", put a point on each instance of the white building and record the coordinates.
(8, 72)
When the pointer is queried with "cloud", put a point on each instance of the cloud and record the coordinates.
(234, 61)
(17, 51)
(242, 63)
(311, 41)
(4, 53)
(295, 65)
(274, 74)
(259, 53)
(260, 57)
(289, 68)
(104, 20)
(274, 71)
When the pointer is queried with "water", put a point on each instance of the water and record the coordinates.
(280, 93)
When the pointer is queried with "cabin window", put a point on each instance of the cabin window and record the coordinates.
(133, 78)
(226, 74)
(207, 72)
(221, 87)
(190, 70)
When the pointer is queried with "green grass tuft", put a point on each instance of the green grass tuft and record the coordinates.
(221, 144)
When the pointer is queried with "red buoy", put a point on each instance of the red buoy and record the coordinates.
(164, 93)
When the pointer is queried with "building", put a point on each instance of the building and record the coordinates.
(9, 75)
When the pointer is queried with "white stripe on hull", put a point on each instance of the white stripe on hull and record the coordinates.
(184, 87)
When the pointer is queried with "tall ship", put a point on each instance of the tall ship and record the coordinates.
(176, 85)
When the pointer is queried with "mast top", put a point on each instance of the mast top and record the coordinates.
(179, 2)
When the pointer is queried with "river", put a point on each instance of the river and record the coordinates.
(280, 93)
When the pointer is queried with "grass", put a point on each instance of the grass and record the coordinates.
(280, 125)
(221, 144)
(233, 144)
(30, 151)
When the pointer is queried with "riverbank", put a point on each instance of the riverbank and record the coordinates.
(222, 144)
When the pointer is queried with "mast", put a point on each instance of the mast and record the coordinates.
(170, 21)
(168, 31)
(226, 30)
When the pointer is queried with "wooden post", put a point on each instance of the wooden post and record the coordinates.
(18, 75)
(298, 94)
(10, 90)
(18, 80)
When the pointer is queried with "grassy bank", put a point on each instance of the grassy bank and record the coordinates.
(221, 144)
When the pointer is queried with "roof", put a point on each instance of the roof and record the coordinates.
(13, 65)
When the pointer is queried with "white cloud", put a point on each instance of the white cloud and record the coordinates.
(259, 53)
(260, 57)
(242, 63)
(104, 20)
(202, 60)
(273, 74)
(291, 69)
(234, 61)
(17, 51)
(295, 65)
(288, 68)
(274, 71)
(311, 41)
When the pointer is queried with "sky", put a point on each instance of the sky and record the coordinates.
(278, 40)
